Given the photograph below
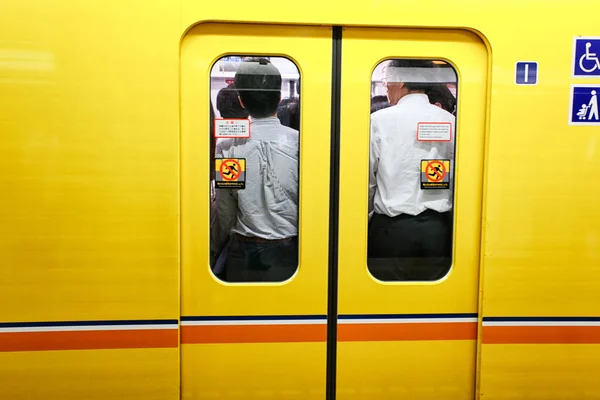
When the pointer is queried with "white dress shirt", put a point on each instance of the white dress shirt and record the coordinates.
(268, 207)
(395, 158)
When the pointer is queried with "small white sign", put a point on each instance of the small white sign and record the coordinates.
(232, 128)
(434, 131)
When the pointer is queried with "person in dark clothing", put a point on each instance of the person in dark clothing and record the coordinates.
(228, 103)
(379, 103)
(441, 96)
(288, 113)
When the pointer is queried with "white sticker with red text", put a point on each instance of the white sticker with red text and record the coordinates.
(232, 128)
(434, 131)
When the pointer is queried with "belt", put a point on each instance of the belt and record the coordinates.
(255, 239)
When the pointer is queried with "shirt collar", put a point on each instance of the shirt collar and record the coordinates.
(265, 121)
(414, 98)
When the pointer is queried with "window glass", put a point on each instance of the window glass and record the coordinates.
(411, 171)
(255, 124)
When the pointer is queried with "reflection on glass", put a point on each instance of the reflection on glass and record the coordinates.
(411, 174)
(254, 194)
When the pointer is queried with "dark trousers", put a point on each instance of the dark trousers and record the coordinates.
(410, 247)
(261, 261)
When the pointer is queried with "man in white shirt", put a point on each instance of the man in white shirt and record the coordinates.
(409, 226)
(262, 218)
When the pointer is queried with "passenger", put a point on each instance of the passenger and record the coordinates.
(218, 270)
(228, 103)
(407, 223)
(288, 112)
(379, 103)
(211, 130)
(263, 217)
(442, 97)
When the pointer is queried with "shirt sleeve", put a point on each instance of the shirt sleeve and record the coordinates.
(374, 152)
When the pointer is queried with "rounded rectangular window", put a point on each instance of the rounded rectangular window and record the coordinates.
(255, 124)
(411, 169)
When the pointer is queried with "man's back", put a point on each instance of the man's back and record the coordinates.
(268, 207)
(396, 156)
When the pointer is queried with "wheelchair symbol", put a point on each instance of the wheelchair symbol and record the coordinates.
(589, 62)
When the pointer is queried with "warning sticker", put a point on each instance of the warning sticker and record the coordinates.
(434, 131)
(435, 174)
(232, 128)
(230, 173)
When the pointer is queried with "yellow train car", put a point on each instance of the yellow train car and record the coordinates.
(106, 291)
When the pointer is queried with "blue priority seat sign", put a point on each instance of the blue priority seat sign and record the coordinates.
(584, 108)
(586, 57)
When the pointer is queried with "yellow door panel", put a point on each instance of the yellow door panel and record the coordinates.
(411, 339)
(90, 374)
(250, 340)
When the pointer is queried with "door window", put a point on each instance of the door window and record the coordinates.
(411, 169)
(255, 105)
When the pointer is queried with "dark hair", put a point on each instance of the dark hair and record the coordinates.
(379, 103)
(441, 94)
(411, 63)
(259, 86)
(288, 112)
(228, 103)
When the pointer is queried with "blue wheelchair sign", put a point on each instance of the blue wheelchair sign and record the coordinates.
(584, 108)
(586, 57)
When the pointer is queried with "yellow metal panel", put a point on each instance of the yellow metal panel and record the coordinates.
(88, 161)
(542, 240)
(144, 374)
(306, 292)
(89, 176)
(441, 370)
(540, 371)
(359, 293)
(254, 371)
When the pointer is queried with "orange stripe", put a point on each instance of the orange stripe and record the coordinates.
(540, 334)
(88, 340)
(253, 333)
(410, 331)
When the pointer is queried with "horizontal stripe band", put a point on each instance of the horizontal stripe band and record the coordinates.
(255, 322)
(212, 334)
(89, 340)
(553, 334)
(90, 323)
(254, 318)
(407, 316)
(541, 323)
(89, 328)
(376, 332)
(540, 319)
(406, 321)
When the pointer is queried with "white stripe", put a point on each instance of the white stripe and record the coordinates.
(541, 323)
(256, 322)
(86, 328)
(405, 320)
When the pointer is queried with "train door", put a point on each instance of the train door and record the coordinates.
(407, 320)
(255, 335)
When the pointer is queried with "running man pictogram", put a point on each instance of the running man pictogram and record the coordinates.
(231, 173)
(435, 174)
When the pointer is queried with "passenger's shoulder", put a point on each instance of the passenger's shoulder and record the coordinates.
(289, 132)
(443, 114)
(224, 144)
(383, 114)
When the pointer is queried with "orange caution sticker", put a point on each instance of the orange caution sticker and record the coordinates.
(435, 174)
(230, 173)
